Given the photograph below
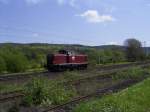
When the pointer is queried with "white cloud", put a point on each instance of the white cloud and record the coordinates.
(93, 16)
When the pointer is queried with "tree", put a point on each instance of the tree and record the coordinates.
(134, 50)
(15, 62)
(111, 56)
(2, 65)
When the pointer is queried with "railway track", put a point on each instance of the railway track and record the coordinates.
(104, 69)
(6, 97)
(11, 96)
(111, 89)
(19, 75)
(23, 76)
(106, 75)
(109, 67)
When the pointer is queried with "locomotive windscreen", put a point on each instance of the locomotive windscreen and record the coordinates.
(50, 59)
(63, 52)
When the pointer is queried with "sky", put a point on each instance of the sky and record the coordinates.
(87, 22)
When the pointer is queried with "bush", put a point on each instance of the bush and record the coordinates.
(14, 108)
(35, 91)
(111, 56)
(16, 62)
(58, 94)
(44, 92)
(131, 73)
(2, 65)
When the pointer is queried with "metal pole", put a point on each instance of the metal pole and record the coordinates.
(99, 59)
(144, 46)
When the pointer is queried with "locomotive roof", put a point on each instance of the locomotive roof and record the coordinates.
(65, 52)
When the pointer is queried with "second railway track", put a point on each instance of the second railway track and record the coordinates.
(111, 89)
(106, 74)
(104, 69)
(100, 92)
(6, 97)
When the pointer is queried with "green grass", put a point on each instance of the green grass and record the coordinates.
(133, 99)
(52, 92)
(5, 88)
(134, 72)
(41, 91)
(28, 72)
(118, 63)
(131, 73)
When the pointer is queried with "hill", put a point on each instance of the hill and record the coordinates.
(101, 47)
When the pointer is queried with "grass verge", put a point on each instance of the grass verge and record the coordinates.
(133, 99)
(131, 73)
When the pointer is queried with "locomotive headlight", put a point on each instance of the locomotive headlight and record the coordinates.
(73, 58)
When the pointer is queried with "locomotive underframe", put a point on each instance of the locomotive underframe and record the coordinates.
(67, 66)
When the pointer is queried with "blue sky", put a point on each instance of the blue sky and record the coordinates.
(89, 22)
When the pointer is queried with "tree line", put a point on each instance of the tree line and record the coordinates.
(21, 58)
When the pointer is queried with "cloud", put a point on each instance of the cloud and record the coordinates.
(93, 16)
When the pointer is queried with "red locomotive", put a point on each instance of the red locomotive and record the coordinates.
(66, 60)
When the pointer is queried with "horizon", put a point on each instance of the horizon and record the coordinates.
(85, 22)
(69, 44)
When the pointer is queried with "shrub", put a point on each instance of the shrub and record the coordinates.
(44, 92)
(2, 65)
(59, 94)
(35, 91)
(16, 62)
(14, 108)
(131, 73)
